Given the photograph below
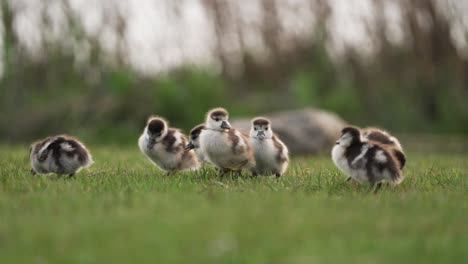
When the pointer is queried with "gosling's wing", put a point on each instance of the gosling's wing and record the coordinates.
(174, 141)
(360, 160)
(281, 149)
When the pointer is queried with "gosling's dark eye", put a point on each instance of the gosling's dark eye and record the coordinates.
(216, 119)
(266, 128)
(255, 128)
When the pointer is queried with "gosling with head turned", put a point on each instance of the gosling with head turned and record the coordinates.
(363, 160)
(271, 154)
(62, 154)
(223, 146)
(194, 142)
(164, 146)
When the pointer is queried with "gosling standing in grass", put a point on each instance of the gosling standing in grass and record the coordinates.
(383, 137)
(362, 160)
(194, 142)
(164, 146)
(271, 154)
(225, 147)
(63, 155)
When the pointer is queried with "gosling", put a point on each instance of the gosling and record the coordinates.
(194, 142)
(164, 146)
(363, 161)
(271, 154)
(62, 155)
(225, 147)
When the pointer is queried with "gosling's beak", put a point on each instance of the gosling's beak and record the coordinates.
(189, 146)
(261, 134)
(225, 125)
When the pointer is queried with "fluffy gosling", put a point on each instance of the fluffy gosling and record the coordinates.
(271, 154)
(62, 154)
(164, 146)
(368, 161)
(194, 142)
(225, 147)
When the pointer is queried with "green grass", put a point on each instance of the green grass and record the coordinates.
(122, 210)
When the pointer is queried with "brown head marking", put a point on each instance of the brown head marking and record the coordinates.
(260, 121)
(195, 132)
(218, 112)
(353, 131)
(156, 125)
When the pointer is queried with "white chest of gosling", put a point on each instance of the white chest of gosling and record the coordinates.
(62, 154)
(365, 161)
(223, 146)
(271, 154)
(165, 147)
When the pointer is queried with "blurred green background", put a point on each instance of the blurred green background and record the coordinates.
(416, 82)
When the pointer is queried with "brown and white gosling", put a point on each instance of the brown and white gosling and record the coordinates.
(194, 142)
(383, 137)
(225, 147)
(368, 161)
(271, 154)
(62, 154)
(164, 146)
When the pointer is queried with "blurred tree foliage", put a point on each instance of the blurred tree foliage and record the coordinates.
(420, 85)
